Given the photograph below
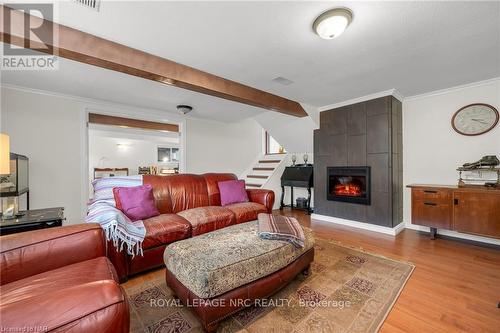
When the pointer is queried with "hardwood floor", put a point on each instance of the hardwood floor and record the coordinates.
(455, 286)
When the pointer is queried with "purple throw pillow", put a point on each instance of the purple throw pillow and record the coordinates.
(137, 202)
(232, 191)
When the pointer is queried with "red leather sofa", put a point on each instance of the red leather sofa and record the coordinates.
(189, 205)
(59, 279)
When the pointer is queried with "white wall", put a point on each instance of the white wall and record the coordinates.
(49, 131)
(432, 150)
(294, 134)
(213, 146)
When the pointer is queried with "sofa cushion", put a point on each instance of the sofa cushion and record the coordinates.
(165, 229)
(179, 192)
(42, 299)
(137, 202)
(212, 264)
(87, 271)
(160, 192)
(206, 219)
(246, 211)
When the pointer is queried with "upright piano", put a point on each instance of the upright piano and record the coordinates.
(300, 175)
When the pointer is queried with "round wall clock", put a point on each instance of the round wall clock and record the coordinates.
(475, 119)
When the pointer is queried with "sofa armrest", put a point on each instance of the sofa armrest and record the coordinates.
(33, 252)
(262, 196)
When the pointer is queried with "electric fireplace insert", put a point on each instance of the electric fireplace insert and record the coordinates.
(349, 184)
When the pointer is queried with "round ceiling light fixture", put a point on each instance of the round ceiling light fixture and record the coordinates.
(184, 109)
(332, 23)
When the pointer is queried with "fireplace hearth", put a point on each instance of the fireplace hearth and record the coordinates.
(349, 184)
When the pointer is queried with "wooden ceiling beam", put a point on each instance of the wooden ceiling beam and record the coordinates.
(101, 119)
(86, 48)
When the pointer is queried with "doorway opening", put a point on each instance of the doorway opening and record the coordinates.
(125, 147)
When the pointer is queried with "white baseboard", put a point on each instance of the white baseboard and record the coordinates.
(455, 234)
(400, 227)
(360, 225)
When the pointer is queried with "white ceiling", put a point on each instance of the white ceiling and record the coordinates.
(414, 47)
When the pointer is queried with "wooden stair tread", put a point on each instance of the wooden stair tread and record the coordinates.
(253, 185)
(263, 169)
(269, 161)
(256, 176)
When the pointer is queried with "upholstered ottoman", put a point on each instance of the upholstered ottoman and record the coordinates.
(220, 272)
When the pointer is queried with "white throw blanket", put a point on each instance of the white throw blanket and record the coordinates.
(117, 226)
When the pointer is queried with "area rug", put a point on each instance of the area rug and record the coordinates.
(347, 291)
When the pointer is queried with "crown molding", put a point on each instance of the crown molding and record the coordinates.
(452, 89)
(402, 98)
(398, 95)
(390, 92)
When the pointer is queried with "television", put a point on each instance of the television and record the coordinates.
(17, 182)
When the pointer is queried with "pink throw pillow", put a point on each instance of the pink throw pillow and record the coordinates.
(137, 202)
(232, 191)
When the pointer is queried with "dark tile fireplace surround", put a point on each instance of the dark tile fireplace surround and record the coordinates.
(358, 162)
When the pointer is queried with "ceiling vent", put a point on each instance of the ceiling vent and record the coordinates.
(92, 4)
(282, 81)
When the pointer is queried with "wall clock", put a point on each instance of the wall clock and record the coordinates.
(475, 119)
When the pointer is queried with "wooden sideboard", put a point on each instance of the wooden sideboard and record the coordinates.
(471, 210)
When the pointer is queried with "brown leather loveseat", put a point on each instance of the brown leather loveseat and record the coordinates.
(189, 205)
(59, 279)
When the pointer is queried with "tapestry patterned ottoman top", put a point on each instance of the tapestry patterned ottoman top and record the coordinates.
(217, 262)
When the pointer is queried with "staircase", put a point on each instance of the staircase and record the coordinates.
(260, 172)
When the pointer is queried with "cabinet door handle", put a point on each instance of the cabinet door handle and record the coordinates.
(430, 204)
(430, 191)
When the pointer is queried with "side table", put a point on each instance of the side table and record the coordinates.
(33, 220)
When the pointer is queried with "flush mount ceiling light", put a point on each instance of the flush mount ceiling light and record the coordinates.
(332, 23)
(123, 146)
(184, 109)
